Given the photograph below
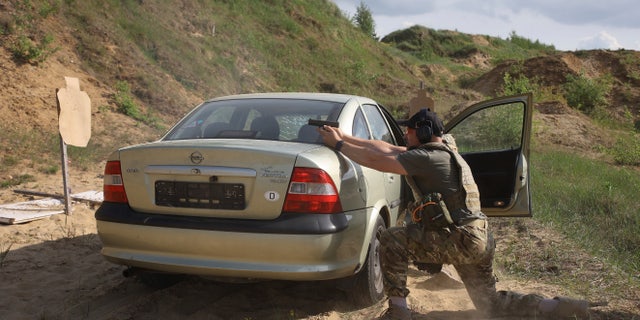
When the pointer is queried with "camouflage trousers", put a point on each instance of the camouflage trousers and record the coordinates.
(469, 248)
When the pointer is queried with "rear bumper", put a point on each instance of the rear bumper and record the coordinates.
(314, 248)
(287, 223)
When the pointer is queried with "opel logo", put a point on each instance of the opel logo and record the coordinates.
(195, 171)
(196, 157)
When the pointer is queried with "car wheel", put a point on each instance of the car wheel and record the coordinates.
(368, 288)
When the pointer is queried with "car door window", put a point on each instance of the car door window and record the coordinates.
(360, 129)
(495, 128)
(379, 128)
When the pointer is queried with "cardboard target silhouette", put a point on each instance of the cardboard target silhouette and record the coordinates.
(74, 117)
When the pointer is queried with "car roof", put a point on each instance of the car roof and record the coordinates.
(333, 97)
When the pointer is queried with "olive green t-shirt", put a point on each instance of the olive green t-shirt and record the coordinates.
(432, 170)
(436, 170)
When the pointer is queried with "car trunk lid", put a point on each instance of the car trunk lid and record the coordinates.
(228, 178)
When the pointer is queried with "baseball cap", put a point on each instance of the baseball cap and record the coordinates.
(424, 117)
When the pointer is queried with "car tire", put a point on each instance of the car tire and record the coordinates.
(368, 288)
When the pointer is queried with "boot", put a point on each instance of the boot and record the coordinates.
(396, 313)
(569, 307)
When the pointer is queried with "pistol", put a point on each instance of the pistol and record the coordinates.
(320, 123)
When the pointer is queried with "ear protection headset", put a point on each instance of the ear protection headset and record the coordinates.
(424, 131)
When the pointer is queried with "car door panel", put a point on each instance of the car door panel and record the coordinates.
(494, 137)
(381, 130)
(494, 174)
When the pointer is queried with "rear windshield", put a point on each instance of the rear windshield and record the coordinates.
(267, 119)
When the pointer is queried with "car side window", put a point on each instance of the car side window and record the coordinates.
(379, 128)
(360, 129)
(491, 129)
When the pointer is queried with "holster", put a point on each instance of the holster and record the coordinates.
(431, 212)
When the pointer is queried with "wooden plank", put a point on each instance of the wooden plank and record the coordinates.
(30, 210)
(93, 197)
(8, 216)
(39, 194)
(22, 212)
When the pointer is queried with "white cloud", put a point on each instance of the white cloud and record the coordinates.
(564, 24)
(600, 40)
(615, 13)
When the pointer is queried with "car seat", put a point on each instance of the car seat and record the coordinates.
(266, 128)
(308, 133)
(213, 129)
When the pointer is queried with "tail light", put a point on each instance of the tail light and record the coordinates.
(113, 187)
(312, 190)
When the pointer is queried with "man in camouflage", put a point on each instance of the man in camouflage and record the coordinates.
(448, 227)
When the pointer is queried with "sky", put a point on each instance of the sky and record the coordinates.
(568, 25)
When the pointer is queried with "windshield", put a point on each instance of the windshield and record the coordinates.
(267, 119)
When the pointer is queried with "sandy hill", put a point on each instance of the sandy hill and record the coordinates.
(89, 41)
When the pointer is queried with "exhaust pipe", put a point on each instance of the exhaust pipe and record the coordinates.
(131, 272)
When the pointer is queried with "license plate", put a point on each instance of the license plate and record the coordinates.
(200, 195)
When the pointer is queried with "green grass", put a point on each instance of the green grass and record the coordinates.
(257, 46)
(26, 50)
(24, 141)
(428, 45)
(593, 203)
(15, 181)
(584, 233)
(29, 44)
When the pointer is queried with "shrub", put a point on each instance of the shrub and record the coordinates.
(527, 44)
(520, 85)
(127, 106)
(586, 94)
(24, 49)
(627, 151)
(364, 20)
(124, 101)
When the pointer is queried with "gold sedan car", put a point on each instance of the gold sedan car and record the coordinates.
(242, 187)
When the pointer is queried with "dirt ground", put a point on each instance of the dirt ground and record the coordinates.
(52, 269)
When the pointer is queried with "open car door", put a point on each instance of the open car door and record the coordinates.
(493, 137)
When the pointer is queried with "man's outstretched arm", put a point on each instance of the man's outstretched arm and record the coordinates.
(374, 154)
